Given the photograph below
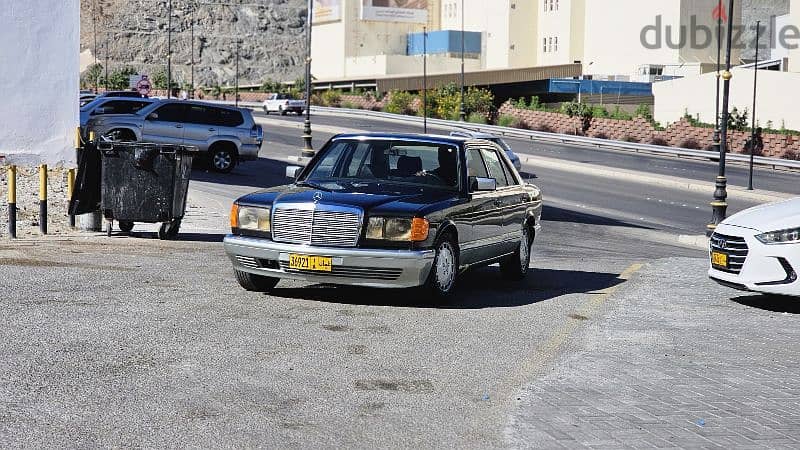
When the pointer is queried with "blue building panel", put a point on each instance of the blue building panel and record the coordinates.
(572, 86)
(445, 41)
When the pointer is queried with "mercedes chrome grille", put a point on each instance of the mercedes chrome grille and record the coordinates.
(316, 224)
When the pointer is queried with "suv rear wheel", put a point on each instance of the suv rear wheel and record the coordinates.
(223, 158)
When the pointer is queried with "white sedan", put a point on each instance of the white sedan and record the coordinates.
(759, 249)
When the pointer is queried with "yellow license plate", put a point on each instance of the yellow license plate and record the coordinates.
(719, 259)
(315, 263)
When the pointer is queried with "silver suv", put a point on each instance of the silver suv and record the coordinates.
(226, 134)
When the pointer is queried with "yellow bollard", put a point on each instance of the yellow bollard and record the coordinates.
(12, 201)
(91, 136)
(70, 191)
(43, 198)
(78, 138)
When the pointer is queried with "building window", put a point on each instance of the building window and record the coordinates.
(556, 5)
(549, 45)
(544, 45)
(555, 44)
(551, 5)
(544, 2)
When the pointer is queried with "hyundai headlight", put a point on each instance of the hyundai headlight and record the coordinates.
(394, 229)
(790, 236)
(256, 219)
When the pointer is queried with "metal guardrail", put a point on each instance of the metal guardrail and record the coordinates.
(564, 138)
(541, 136)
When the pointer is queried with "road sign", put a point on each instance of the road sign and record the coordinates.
(144, 86)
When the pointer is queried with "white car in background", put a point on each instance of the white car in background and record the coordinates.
(283, 104)
(759, 249)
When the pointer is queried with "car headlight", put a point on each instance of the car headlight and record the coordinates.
(250, 218)
(394, 229)
(780, 237)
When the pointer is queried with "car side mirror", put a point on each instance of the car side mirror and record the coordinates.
(478, 184)
(293, 171)
(152, 116)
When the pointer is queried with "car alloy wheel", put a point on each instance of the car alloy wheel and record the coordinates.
(445, 267)
(222, 160)
(525, 251)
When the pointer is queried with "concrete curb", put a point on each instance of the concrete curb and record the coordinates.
(683, 184)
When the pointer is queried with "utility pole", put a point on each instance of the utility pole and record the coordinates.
(169, 48)
(720, 203)
(236, 88)
(94, 36)
(106, 68)
(308, 150)
(191, 19)
(755, 91)
(425, 79)
(462, 112)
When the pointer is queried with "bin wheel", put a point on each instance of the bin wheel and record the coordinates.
(109, 227)
(169, 230)
(125, 226)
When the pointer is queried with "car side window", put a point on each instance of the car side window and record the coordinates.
(113, 107)
(227, 117)
(199, 114)
(172, 112)
(512, 180)
(475, 166)
(495, 166)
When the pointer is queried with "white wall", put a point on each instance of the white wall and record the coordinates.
(696, 95)
(794, 55)
(39, 44)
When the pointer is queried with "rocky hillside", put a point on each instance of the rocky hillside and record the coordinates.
(270, 32)
(763, 10)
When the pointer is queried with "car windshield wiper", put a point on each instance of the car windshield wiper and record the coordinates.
(311, 185)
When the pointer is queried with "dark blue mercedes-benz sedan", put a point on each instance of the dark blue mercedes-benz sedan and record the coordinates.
(388, 211)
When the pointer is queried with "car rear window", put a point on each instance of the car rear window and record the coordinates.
(226, 117)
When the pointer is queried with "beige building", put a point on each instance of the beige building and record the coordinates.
(634, 39)
(560, 31)
(794, 55)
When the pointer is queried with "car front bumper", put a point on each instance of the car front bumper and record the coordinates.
(351, 266)
(769, 269)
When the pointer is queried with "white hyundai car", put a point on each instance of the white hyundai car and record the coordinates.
(759, 249)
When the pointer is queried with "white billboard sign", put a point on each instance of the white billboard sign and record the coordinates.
(327, 11)
(412, 11)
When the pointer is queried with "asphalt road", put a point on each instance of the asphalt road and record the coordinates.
(693, 169)
(646, 206)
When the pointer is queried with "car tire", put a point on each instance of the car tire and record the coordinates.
(266, 111)
(442, 280)
(517, 266)
(281, 110)
(125, 226)
(222, 159)
(255, 283)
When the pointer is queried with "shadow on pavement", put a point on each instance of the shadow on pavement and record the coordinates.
(182, 237)
(261, 173)
(480, 289)
(555, 214)
(774, 303)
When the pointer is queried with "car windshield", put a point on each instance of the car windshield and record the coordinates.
(404, 162)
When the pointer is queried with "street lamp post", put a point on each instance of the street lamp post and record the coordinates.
(462, 113)
(308, 150)
(169, 48)
(106, 68)
(719, 204)
(425, 79)
(94, 33)
(755, 91)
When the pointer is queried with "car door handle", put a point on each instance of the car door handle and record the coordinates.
(212, 129)
(178, 126)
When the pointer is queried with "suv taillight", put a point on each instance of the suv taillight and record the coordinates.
(257, 133)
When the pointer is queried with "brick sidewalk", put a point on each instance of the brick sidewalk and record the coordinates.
(672, 360)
